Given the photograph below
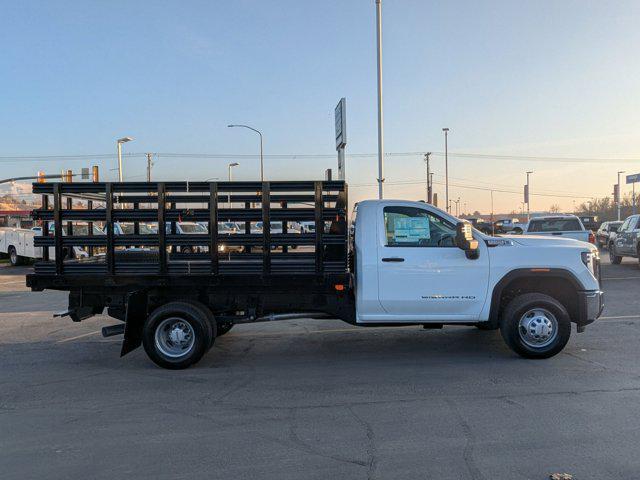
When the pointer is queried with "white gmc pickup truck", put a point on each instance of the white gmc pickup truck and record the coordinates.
(415, 263)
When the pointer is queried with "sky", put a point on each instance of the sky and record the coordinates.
(533, 81)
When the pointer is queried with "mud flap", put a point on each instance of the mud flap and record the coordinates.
(134, 321)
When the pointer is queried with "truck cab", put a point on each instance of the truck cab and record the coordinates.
(410, 267)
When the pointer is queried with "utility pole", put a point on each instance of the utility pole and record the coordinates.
(446, 166)
(493, 227)
(619, 200)
(380, 114)
(528, 199)
(149, 165)
(429, 185)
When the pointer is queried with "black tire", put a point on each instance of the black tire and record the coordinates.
(224, 328)
(513, 332)
(615, 259)
(194, 322)
(185, 250)
(14, 258)
(517, 231)
(215, 330)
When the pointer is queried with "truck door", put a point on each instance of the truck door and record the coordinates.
(422, 275)
(622, 237)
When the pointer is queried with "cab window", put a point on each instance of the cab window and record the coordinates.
(415, 227)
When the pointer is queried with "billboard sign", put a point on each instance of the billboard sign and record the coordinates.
(341, 123)
(633, 178)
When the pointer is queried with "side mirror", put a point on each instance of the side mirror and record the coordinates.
(465, 240)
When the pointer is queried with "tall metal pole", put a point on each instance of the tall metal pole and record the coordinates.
(119, 162)
(619, 194)
(261, 149)
(528, 197)
(380, 115)
(429, 193)
(446, 165)
(149, 163)
(261, 159)
(493, 227)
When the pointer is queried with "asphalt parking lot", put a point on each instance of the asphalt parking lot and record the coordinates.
(318, 399)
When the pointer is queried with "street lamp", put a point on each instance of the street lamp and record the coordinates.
(120, 142)
(231, 165)
(380, 113)
(261, 156)
(528, 197)
(446, 165)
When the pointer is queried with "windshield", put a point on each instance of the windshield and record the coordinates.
(555, 225)
(192, 228)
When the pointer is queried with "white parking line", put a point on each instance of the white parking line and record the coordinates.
(620, 317)
(619, 278)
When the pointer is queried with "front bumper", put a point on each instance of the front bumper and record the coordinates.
(590, 306)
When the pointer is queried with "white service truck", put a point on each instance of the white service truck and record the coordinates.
(18, 245)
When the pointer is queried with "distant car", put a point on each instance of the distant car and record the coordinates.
(590, 222)
(606, 233)
(480, 224)
(510, 225)
(565, 226)
(627, 240)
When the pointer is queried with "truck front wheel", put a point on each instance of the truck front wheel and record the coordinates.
(177, 335)
(535, 325)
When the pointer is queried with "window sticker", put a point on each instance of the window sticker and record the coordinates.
(411, 229)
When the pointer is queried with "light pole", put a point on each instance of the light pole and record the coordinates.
(619, 194)
(446, 165)
(528, 197)
(231, 165)
(261, 155)
(120, 142)
(380, 114)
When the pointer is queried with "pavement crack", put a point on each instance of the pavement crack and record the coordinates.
(372, 450)
(300, 444)
(470, 443)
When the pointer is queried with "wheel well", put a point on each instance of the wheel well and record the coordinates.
(560, 288)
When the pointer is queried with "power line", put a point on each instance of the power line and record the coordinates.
(420, 154)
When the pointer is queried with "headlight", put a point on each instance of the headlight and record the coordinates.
(591, 260)
(221, 248)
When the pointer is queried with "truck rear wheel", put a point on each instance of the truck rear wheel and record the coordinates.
(177, 335)
(535, 325)
(14, 259)
(613, 258)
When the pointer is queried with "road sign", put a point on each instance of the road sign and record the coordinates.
(85, 174)
(341, 123)
(633, 178)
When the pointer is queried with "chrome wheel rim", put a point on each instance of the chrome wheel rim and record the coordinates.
(14, 257)
(538, 328)
(174, 337)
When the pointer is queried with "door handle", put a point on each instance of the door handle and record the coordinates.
(393, 259)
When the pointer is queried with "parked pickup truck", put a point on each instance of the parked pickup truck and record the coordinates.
(626, 242)
(565, 226)
(399, 263)
(510, 225)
